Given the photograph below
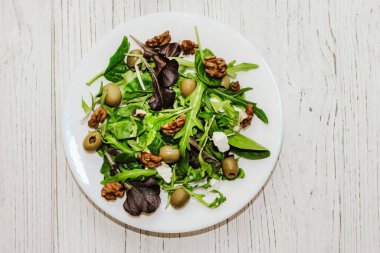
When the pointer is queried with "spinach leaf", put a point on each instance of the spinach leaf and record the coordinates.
(240, 141)
(231, 69)
(200, 69)
(250, 154)
(135, 174)
(247, 148)
(157, 143)
(125, 158)
(191, 118)
(116, 65)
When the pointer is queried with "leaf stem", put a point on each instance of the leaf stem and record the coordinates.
(95, 78)
(199, 44)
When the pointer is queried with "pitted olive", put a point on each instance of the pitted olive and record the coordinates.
(92, 141)
(230, 167)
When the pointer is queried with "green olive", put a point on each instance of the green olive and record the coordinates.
(225, 82)
(230, 167)
(187, 87)
(131, 60)
(113, 96)
(92, 141)
(169, 154)
(179, 198)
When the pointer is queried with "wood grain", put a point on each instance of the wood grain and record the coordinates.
(324, 193)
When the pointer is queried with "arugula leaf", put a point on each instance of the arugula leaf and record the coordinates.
(85, 107)
(239, 101)
(260, 114)
(109, 139)
(231, 69)
(235, 100)
(214, 204)
(106, 168)
(191, 118)
(135, 174)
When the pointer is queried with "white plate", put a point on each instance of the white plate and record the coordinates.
(225, 43)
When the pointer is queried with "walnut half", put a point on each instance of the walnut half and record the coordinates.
(188, 47)
(249, 111)
(97, 117)
(174, 126)
(112, 190)
(215, 67)
(159, 40)
(149, 160)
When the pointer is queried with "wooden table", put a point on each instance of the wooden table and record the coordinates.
(324, 194)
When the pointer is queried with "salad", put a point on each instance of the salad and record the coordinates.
(169, 119)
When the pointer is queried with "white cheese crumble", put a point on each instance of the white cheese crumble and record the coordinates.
(139, 112)
(221, 141)
(165, 171)
(242, 114)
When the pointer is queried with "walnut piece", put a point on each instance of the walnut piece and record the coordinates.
(249, 111)
(149, 160)
(215, 67)
(112, 190)
(159, 40)
(235, 86)
(188, 47)
(174, 126)
(98, 116)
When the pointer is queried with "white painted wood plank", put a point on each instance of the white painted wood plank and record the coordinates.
(25, 133)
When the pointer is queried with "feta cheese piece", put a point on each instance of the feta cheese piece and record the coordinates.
(139, 113)
(165, 171)
(221, 141)
(237, 129)
(242, 114)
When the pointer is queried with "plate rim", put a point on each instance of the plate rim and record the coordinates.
(234, 211)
